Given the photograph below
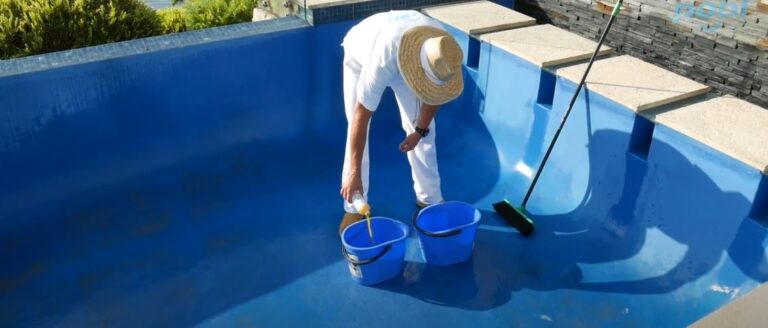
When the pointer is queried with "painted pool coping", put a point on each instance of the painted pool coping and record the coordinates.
(145, 45)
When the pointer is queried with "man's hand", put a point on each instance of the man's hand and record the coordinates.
(410, 142)
(426, 115)
(352, 184)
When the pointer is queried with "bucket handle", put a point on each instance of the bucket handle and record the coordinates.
(445, 234)
(367, 261)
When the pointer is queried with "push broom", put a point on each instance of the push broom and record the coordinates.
(517, 217)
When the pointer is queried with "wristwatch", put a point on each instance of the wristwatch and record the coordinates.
(423, 132)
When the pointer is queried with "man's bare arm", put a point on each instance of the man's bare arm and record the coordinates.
(358, 133)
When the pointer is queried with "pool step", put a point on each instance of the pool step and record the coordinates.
(730, 125)
(633, 83)
(479, 17)
(544, 45)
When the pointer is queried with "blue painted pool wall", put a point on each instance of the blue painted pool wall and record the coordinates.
(515, 99)
(760, 207)
(596, 184)
(638, 148)
(515, 102)
(505, 3)
(119, 175)
(614, 179)
(72, 128)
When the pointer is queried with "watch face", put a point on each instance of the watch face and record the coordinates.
(422, 132)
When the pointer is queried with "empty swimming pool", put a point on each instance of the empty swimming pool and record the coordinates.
(198, 185)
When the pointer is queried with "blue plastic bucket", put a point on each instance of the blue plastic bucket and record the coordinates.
(447, 232)
(374, 261)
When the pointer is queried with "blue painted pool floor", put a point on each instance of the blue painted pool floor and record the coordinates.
(247, 237)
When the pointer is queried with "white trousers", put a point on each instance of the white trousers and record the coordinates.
(423, 158)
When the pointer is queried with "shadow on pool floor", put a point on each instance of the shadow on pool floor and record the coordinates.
(638, 262)
(690, 253)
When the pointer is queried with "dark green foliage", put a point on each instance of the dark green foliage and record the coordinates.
(29, 27)
(209, 13)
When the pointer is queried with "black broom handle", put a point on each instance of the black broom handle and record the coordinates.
(616, 9)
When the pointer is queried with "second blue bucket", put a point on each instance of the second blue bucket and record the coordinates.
(372, 261)
(447, 232)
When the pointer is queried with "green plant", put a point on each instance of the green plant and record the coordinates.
(209, 13)
(173, 19)
(30, 27)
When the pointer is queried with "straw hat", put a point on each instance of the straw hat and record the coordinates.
(429, 60)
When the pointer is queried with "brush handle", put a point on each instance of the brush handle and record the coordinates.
(616, 8)
(615, 12)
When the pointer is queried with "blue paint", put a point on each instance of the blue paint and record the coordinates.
(641, 137)
(760, 206)
(516, 103)
(685, 199)
(505, 3)
(546, 89)
(199, 185)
